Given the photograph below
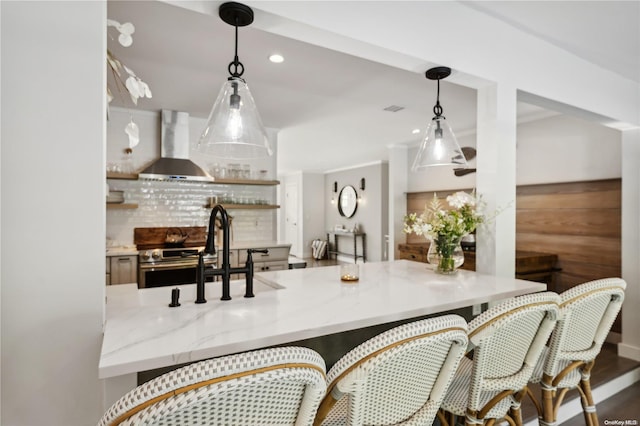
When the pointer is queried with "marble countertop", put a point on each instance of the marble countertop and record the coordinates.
(142, 332)
(122, 251)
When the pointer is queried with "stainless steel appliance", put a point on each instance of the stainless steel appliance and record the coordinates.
(162, 267)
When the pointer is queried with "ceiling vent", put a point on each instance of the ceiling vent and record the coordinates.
(394, 108)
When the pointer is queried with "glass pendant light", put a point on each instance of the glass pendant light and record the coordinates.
(439, 146)
(234, 129)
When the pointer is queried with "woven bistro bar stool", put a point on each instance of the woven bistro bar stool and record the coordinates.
(507, 341)
(587, 313)
(280, 386)
(397, 377)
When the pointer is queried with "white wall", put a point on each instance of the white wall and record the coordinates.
(313, 202)
(309, 211)
(53, 217)
(371, 214)
(566, 149)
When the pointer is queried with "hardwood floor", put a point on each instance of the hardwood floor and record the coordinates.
(608, 366)
(622, 407)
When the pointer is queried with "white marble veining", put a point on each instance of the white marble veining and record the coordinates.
(143, 333)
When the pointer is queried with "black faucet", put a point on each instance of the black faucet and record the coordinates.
(225, 271)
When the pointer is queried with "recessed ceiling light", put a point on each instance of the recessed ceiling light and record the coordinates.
(276, 59)
(415, 131)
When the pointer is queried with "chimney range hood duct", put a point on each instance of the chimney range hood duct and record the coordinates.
(174, 163)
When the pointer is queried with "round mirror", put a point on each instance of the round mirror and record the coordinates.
(348, 201)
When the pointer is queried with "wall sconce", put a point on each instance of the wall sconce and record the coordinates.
(362, 184)
(335, 191)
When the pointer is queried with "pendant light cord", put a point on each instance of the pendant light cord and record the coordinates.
(437, 109)
(238, 68)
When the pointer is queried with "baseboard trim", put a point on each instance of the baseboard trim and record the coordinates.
(604, 391)
(628, 351)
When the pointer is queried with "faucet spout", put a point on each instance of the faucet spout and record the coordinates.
(225, 270)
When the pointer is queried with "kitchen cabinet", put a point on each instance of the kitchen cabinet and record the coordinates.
(122, 269)
(275, 259)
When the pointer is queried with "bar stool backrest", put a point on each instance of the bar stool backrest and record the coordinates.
(397, 375)
(508, 340)
(587, 312)
(272, 386)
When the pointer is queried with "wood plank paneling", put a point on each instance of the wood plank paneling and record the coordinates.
(601, 222)
(580, 248)
(605, 199)
(578, 221)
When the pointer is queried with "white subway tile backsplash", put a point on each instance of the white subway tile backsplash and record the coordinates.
(182, 204)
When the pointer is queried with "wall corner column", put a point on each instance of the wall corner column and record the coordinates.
(496, 177)
(398, 184)
(630, 345)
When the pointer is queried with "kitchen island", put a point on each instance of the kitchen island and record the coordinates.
(142, 332)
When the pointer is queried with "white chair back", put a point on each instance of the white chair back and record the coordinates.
(281, 386)
(399, 376)
(507, 341)
(587, 312)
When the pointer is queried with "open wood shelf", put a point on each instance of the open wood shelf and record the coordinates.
(245, 182)
(248, 206)
(125, 176)
(121, 206)
(134, 176)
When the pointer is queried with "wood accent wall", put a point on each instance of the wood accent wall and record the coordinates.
(579, 221)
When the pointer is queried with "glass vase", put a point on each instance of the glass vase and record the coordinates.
(446, 254)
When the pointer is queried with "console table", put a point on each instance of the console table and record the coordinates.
(333, 248)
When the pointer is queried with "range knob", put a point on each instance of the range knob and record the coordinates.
(145, 256)
(155, 254)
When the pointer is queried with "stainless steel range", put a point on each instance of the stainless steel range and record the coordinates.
(168, 256)
(169, 266)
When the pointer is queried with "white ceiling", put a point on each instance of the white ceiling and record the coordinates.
(319, 99)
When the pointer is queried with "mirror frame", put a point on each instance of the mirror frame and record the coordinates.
(348, 201)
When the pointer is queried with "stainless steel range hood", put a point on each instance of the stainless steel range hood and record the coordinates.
(174, 163)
